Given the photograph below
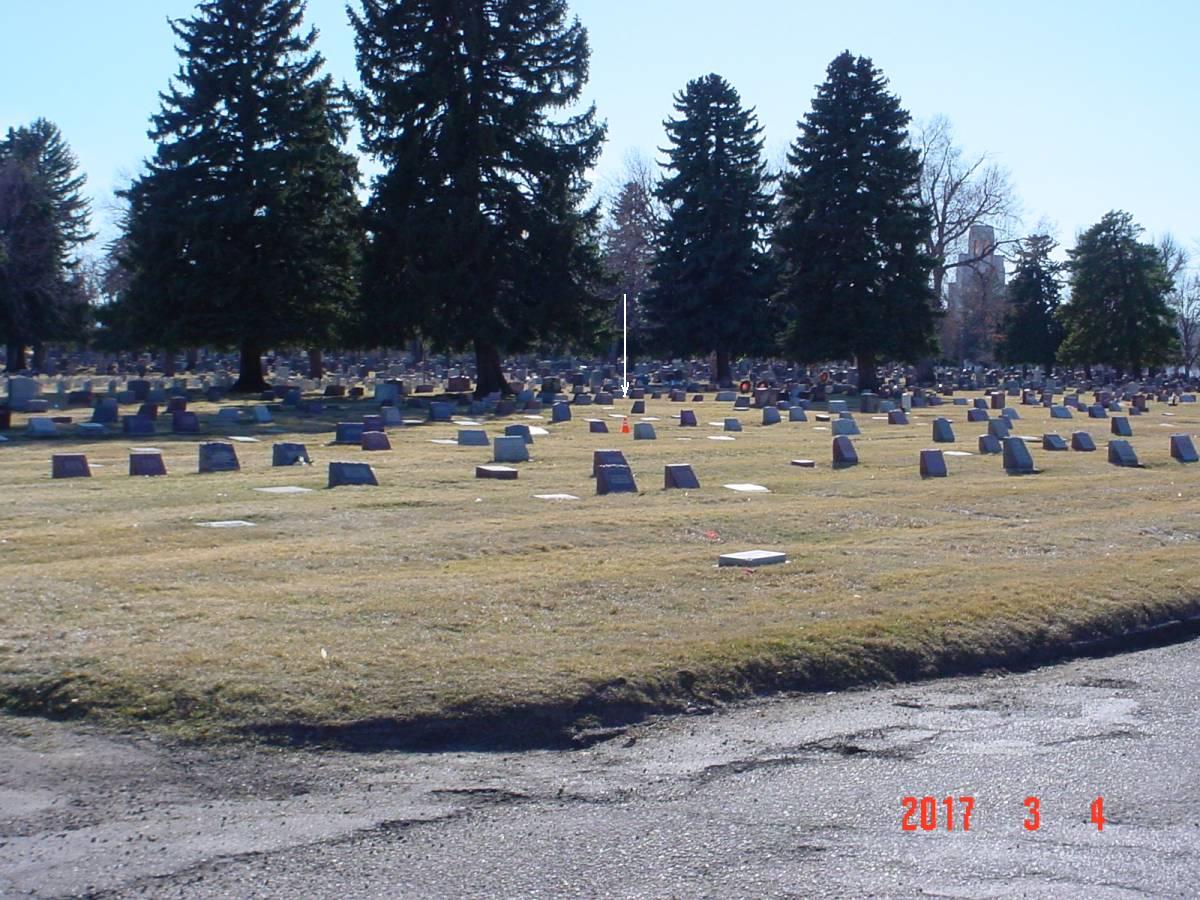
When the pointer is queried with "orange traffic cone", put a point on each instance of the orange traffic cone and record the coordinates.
(625, 425)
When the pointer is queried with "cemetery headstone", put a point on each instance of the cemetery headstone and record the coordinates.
(597, 426)
(943, 433)
(1052, 441)
(351, 473)
(638, 408)
(999, 427)
(741, 402)
(376, 440)
(644, 431)
(41, 427)
(687, 418)
(615, 479)
(977, 415)
(1097, 411)
(845, 426)
(1182, 448)
(797, 414)
(185, 422)
(148, 410)
(1017, 459)
(989, 443)
(1060, 412)
(732, 424)
(1120, 453)
(897, 417)
(770, 415)
(933, 464)
(473, 437)
(217, 456)
(69, 465)
(442, 411)
(1119, 425)
(289, 454)
(681, 476)
(519, 430)
(500, 473)
(844, 454)
(137, 425)
(560, 412)
(510, 448)
(1082, 441)
(146, 463)
(373, 423)
(348, 433)
(607, 458)
(1010, 413)
(106, 411)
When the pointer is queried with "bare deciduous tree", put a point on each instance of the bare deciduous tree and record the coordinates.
(961, 193)
(1184, 300)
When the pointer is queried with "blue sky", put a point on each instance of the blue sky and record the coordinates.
(1090, 105)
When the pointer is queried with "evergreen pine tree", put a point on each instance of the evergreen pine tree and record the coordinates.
(855, 279)
(44, 218)
(1118, 313)
(711, 279)
(243, 232)
(479, 235)
(1032, 329)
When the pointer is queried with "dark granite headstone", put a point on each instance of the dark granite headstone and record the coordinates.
(615, 479)
(459, 384)
(741, 402)
(680, 475)
(148, 410)
(473, 437)
(335, 390)
(1120, 453)
(603, 398)
(140, 390)
(373, 423)
(510, 448)
(897, 417)
(797, 414)
(979, 403)
(942, 432)
(845, 426)
(998, 400)
(177, 404)
(287, 454)
(638, 408)
(1183, 449)
(560, 412)
(500, 473)
(376, 440)
(520, 430)
(1119, 425)
(1052, 441)
(597, 426)
(147, 463)
(770, 415)
(217, 456)
(1060, 412)
(977, 415)
(1010, 414)
(989, 443)
(69, 465)
(933, 464)
(607, 458)
(106, 411)
(687, 418)
(349, 433)
(351, 473)
(185, 422)
(442, 411)
(504, 407)
(844, 453)
(1082, 441)
(1017, 459)
(137, 425)
(999, 427)
(644, 431)
(1097, 411)
(732, 424)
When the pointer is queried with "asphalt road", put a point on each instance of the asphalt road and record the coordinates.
(797, 797)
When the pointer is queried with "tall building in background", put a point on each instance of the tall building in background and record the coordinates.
(975, 300)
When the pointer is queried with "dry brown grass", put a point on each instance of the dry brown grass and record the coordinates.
(439, 595)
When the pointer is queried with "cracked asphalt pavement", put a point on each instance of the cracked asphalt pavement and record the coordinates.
(790, 797)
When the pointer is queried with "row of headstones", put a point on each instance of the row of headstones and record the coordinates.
(1001, 427)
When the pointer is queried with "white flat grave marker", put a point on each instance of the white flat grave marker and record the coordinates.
(555, 497)
(538, 431)
(804, 463)
(228, 523)
(749, 559)
(241, 440)
(959, 452)
(285, 489)
(748, 488)
(715, 437)
(538, 418)
(447, 441)
(465, 422)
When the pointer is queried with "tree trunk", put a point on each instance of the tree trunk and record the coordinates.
(250, 371)
(168, 363)
(16, 355)
(193, 358)
(316, 365)
(724, 371)
(489, 378)
(39, 357)
(868, 378)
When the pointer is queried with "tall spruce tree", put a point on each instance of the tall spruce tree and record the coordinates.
(1032, 328)
(711, 279)
(44, 219)
(1118, 314)
(244, 230)
(479, 237)
(855, 278)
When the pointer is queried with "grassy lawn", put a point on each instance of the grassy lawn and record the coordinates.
(438, 595)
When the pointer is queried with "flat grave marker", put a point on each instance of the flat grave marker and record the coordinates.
(751, 559)
(747, 488)
(500, 473)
